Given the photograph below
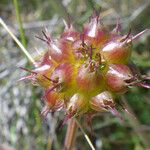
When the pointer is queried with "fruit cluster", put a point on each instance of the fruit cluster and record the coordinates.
(82, 73)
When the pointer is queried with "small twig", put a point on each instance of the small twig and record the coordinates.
(85, 135)
(17, 41)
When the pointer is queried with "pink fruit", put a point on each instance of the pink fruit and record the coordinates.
(53, 99)
(70, 33)
(89, 79)
(77, 105)
(116, 78)
(95, 32)
(63, 74)
(60, 50)
(116, 52)
(102, 102)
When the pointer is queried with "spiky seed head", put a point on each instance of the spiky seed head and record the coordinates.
(82, 72)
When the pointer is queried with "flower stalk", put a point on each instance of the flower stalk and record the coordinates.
(70, 134)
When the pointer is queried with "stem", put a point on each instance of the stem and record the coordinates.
(22, 34)
(85, 135)
(70, 135)
(17, 41)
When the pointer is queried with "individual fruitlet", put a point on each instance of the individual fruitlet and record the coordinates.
(116, 78)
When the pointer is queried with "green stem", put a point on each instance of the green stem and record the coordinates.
(21, 30)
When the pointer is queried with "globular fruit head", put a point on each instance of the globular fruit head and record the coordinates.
(80, 72)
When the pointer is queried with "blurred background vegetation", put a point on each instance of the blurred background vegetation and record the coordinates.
(20, 123)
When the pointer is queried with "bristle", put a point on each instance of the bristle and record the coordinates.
(125, 39)
(46, 39)
(42, 39)
(117, 29)
(91, 53)
(25, 78)
(116, 113)
(138, 35)
(144, 85)
(82, 37)
(53, 87)
(95, 16)
(44, 112)
(146, 78)
(28, 70)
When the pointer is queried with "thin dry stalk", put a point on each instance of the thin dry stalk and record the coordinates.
(85, 135)
(17, 41)
(70, 135)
